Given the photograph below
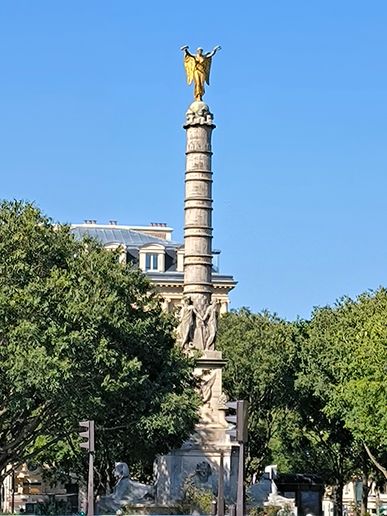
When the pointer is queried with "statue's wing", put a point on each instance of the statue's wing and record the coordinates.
(189, 65)
(207, 68)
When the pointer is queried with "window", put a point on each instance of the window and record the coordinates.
(32, 488)
(215, 260)
(151, 262)
(180, 260)
(152, 258)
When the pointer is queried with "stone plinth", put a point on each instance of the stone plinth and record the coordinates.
(173, 470)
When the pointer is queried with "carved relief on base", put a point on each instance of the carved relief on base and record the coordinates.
(212, 410)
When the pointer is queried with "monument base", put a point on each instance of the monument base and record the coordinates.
(197, 462)
(198, 466)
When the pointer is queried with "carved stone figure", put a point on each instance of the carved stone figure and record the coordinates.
(208, 380)
(200, 326)
(197, 68)
(125, 491)
(211, 321)
(202, 477)
(187, 322)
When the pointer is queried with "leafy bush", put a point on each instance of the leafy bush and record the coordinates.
(196, 499)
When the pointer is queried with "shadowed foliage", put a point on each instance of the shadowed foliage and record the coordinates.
(83, 337)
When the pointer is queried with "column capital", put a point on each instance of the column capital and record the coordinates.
(199, 114)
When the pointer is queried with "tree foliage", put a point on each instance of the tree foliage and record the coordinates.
(346, 364)
(317, 389)
(312, 443)
(261, 353)
(83, 337)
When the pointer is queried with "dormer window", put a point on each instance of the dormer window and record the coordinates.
(180, 259)
(151, 261)
(152, 258)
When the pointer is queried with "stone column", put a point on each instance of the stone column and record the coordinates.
(198, 212)
(198, 286)
(198, 325)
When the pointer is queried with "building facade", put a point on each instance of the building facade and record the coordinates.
(153, 250)
(25, 491)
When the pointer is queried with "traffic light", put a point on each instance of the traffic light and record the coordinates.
(88, 433)
(238, 431)
(239, 420)
(232, 419)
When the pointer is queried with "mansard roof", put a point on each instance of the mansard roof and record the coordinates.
(120, 235)
(135, 239)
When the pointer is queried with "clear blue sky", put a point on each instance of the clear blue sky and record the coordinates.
(92, 101)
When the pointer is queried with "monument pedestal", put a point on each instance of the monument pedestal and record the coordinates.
(198, 460)
(189, 463)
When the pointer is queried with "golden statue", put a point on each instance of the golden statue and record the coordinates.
(198, 69)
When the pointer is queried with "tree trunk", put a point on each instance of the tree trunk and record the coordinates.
(365, 490)
(339, 498)
(364, 496)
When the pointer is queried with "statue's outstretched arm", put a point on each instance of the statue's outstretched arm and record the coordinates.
(214, 51)
(186, 51)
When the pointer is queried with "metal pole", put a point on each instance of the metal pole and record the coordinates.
(240, 507)
(221, 485)
(90, 486)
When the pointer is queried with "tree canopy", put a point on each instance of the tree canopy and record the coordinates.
(261, 353)
(317, 389)
(83, 337)
(346, 366)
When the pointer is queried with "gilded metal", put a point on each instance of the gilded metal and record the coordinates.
(197, 68)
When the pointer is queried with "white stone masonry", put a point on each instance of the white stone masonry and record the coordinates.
(198, 217)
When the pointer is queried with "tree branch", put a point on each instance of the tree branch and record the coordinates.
(375, 462)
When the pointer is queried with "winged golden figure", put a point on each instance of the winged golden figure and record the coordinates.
(197, 68)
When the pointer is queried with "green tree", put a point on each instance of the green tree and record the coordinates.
(261, 354)
(83, 337)
(267, 364)
(344, 369)
(312, 443)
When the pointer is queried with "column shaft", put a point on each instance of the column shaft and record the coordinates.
(198, 214)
